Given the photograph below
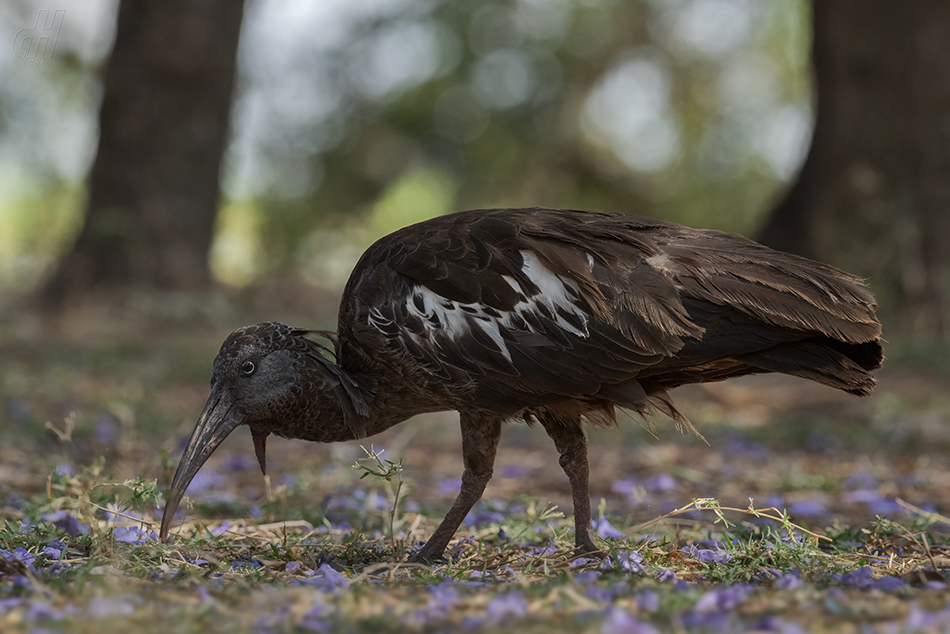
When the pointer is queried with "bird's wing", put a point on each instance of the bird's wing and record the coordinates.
(521, 308)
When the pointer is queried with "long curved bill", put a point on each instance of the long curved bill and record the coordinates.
(218, 419)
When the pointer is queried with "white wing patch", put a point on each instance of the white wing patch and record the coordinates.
(555, 301)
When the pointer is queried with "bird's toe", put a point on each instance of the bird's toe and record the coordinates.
(426, 558)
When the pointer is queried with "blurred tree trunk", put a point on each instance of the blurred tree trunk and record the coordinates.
(874, 194)
(153, 188)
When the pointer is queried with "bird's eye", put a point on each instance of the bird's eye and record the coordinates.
(248, 368)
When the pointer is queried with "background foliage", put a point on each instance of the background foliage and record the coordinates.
(352, 119)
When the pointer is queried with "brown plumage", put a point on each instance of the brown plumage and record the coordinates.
(541, 315)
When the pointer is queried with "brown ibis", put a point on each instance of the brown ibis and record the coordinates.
(548, 316)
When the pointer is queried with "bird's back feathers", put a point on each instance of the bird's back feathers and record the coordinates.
(506, 310)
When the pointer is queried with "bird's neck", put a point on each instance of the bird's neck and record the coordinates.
(351, 406)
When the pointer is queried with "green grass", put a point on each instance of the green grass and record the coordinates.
(290, 577)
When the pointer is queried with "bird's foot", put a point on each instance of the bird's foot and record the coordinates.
(426, 557)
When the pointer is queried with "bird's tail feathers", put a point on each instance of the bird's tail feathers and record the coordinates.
(817, 361)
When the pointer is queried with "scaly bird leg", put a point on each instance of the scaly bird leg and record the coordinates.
(571, 442)
(480, 435)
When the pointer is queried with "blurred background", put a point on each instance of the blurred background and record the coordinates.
(325, 125)
(182, 145)
(172, 170)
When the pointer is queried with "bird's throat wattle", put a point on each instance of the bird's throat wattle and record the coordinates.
(260, 446)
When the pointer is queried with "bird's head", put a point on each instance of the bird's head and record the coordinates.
(270, 377)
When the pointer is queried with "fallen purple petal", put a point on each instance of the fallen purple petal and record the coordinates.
(204, 480)
(133, 535)
(511, 604)
(648, 601)
(516, 471)
(807, 508)
(605, 530)
(890, 584)
(483, 518)
(625, 487)
(723, 599)
(582, 561)
(449, 486)
(707, 555)
(662, 482)
(619, 621)
(65, 521)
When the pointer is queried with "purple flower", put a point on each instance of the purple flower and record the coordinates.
(314, 619)
(133, 535)
(625, 487)
(292, 565)
(865, 496)
(619, 621)
(197, 562)
(19, 554)
(65, 521)
(605, 529)
(107, 429)
(484, 518)
(10, 604)
(662, 482)
(239, 462)
(861, 480)
(890, 584)
(666, 576)
(723, 599)
(582, 561)
(919, 620)
(442, 598)
(629, 561)
(40, 611)
(204, 480)
(738, 444)
(515, 471)
(328, 580)
(217, 531)
(246, 564)
(511, 604)
(600, 594)
(587, 577)
(885, 506)
(449, 486)
(836, 594)
(790, 581)
(204, 595)
(807, 508)
(707, 555)
(860, 578)
(648, 601)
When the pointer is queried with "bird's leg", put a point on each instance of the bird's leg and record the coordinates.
(571, 443)
(480, 434)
